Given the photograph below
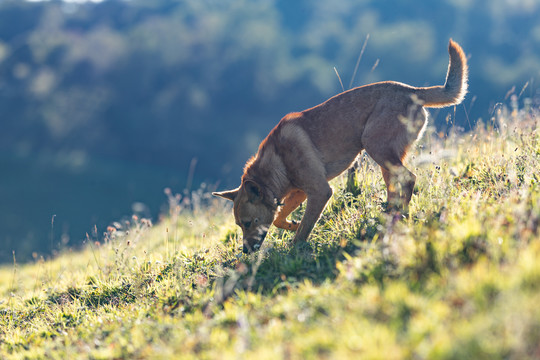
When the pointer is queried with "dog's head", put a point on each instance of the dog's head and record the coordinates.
(253, 211)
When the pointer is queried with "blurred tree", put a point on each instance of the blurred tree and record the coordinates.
(156, 83)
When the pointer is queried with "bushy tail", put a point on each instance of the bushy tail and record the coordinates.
(454, 90)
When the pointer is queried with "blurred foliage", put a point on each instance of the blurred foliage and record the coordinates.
(159, 83)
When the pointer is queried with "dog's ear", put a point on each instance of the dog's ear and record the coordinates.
(253, 191)
(229, 195)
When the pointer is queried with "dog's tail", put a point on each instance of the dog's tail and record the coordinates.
(454, 90)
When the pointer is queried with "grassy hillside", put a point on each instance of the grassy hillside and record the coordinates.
(458, 279)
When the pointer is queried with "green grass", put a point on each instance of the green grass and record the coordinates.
(457, 279)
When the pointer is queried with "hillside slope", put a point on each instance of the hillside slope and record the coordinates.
(458, 279)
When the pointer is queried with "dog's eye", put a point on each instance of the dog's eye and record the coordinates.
(256, 220)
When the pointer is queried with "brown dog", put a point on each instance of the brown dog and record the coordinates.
(307, 149)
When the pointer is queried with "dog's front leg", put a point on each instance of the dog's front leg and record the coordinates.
(315, 206)
(290, 202)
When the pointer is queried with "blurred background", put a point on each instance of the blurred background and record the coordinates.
(104, 104)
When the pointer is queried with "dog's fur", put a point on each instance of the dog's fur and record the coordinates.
(307, 149)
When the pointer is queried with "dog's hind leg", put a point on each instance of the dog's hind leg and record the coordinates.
(291, 201)
(399, 186)
(386, 139)
(391, 193)
(398, 179)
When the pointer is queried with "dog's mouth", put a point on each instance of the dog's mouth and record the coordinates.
(254, 244)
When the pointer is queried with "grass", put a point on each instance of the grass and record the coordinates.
(459, 278)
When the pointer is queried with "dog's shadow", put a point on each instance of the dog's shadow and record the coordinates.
(282, 265)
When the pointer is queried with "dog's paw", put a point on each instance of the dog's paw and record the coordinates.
(287, 225)
(293, 225)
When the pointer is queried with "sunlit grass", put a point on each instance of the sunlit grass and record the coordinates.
(458, 278)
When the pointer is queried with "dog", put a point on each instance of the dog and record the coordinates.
(307, 149)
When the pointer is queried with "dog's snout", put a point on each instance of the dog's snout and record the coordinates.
(254, 243)
(249, 249)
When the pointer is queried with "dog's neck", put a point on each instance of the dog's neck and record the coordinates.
(273, 179)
